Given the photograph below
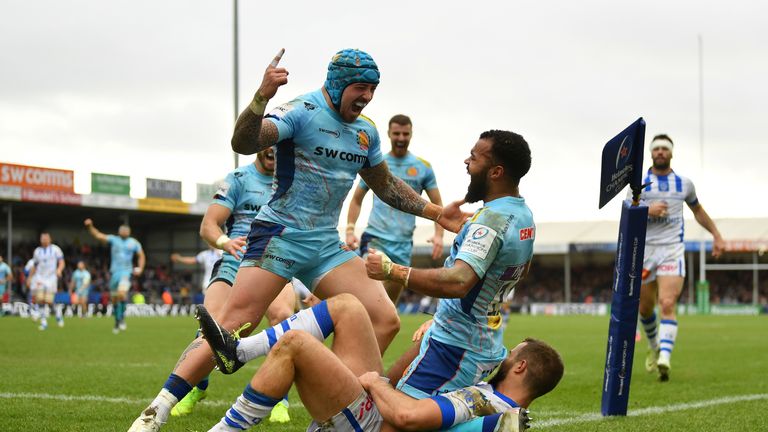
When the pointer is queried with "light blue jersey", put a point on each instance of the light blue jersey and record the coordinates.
(122, 251)
(318, 156)
(82, 281)
(244, 192)
(498, 244)
(465, 342)
(388, 223)
(5, 272)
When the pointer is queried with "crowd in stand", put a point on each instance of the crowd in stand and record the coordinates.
(589, 283)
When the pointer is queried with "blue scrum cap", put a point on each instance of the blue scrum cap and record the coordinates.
(347, 67)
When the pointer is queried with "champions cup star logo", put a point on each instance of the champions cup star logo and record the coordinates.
(362, 140)
(624, 150)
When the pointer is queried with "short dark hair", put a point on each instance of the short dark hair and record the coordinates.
(511, 151)
(401, 119)
(663, 137)
(544, 367)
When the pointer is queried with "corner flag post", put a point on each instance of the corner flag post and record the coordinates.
(622, 164)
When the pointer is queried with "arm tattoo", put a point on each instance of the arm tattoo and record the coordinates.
(252, 133)
(392, 190)
(193, 346)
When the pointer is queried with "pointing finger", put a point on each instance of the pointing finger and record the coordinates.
(277, 58)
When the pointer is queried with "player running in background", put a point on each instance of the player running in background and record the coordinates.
(322, 143)
(206, 258)
(79, 285)
(44, 278)
(490, 255)
(234, 206)
(342, 388)
(664, 262)
(123, 247)
(6, 277)
(390, 230)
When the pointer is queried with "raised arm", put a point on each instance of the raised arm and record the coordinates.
(400, 410)
(98, 235)
(188, 260)
(718, 244)
(252, 132)
(352, 215)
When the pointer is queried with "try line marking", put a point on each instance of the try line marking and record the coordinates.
(591, 417)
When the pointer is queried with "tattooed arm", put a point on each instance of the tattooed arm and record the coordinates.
(253, 133)
(394, 191)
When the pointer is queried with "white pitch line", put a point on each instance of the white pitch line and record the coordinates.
(590, 417)
(97, 398)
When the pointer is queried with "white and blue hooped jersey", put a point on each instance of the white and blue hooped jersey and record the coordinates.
(46, 260)
(122, 250)
(674, 190)
(81, 279)
(5, 271)
(244, 191)
(318, 156)
(207, 259)
(469, 403)
(497, 242)
(388, 223)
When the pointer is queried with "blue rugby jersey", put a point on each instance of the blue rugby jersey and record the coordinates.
(388, 223)
(81, 279)
(244, 191)
(122, 251)
(318, 156)
(497, 243)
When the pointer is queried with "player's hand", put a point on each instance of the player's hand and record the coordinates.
(718, 247)
(419, 333)
(236, 247)
(137, 271)
(352, 241)
(274, 77)
(58, 273)
(437, 246)
(369, 379)
(88, 223)
(175, 257)
(658, 209)
(378, 265)
(452, 217)
(311, 300)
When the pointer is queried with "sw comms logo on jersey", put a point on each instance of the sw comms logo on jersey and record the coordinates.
(363, 140)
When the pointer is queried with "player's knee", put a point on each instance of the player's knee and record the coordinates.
(277, 313)
(667, 305)
(290, 340)
(346, 304)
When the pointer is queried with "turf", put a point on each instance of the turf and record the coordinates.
(84, 378)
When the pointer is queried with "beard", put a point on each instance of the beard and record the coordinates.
(477, 189)
(661, 165)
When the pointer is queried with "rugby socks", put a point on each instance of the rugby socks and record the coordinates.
(315, 321)
(649, 325)
(249, 409)
(667, 336)
(58, 312)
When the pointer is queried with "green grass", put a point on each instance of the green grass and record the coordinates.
(715, 357)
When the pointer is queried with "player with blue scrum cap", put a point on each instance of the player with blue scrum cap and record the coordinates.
(321, 143)
(490, 255)
(122, 248)
(664, 260)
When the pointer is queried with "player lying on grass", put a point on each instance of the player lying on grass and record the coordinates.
(342, 389)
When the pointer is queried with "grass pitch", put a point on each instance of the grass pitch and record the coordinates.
(84, 378)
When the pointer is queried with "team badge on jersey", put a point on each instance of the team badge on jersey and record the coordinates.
(412, 171)
(478, 240)
(221, 192)
(363, 140)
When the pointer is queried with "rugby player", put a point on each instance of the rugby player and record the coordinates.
(206, 258)
(390, 230)
(6, 277)
(79, 285)
(664, 261)
(44, 278)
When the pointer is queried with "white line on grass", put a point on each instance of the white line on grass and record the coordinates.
(96, 398)
(590, 417)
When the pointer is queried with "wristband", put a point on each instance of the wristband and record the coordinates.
(351, 227)
(258, 105)
(221, 241)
